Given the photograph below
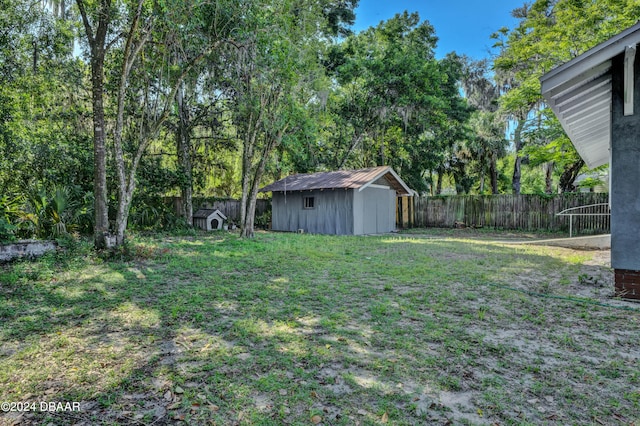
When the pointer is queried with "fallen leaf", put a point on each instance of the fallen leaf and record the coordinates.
(314, 394)
(168, 396)
(214, 408)
(316, 419)
(328, 346)
(179, 417)
(385, 418)
(282, 392)
(479, 411)
(362, 412)
(341, 339)
(178, 389)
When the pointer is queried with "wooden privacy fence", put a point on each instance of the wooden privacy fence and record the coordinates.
(229, 207)
(525, 212)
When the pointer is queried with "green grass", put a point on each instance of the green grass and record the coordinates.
(211, 329)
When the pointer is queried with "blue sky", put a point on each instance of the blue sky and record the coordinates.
(461, 25)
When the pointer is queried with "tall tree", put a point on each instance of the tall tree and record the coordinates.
(43, 129)
(395, 102)
(270, 63)
(133, 29)
(272, 79)
(487, 126)
(97, 25)
(550, 32)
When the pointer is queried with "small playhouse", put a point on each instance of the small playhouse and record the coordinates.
(209, 219)
(344, 202)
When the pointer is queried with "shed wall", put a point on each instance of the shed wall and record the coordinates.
(332, 212)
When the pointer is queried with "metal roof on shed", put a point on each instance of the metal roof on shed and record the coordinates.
(341, 179)
(579, 93)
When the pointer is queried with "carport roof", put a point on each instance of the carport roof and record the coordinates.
(341, 179)
(579, 93)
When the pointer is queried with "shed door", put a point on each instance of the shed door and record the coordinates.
(370, 218)
(377, 210)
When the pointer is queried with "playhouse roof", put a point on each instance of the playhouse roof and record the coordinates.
(207, 213)
(579, 93)
(341, 179)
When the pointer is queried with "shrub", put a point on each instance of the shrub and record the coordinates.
(7, 231)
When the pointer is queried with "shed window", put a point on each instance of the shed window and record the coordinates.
(309, 202)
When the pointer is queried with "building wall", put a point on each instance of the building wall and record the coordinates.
(625, 173)
(374, 210)
(337, 212)
(332, 212)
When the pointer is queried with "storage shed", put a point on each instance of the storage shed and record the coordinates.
(208, 219)
(596, 97)
(345, 202)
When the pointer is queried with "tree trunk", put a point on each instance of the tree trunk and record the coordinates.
(247, 157)
(97, 47)
(249, 217)
(493, 171)
(548, 180)
(517, 165)
(569, 176)
(354, 143)
(183, 137)
(431, 190)
(122, 218)
(439, 181)
(382, 156)
(101, 208)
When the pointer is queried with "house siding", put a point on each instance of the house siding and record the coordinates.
(625, 173)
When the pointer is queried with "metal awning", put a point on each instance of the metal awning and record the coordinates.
(579, 93)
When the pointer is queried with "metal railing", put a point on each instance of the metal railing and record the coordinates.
(569, 212)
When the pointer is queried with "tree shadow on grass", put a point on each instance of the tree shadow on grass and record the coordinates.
(278, 332)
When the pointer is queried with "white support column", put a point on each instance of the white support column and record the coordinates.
(629, 59)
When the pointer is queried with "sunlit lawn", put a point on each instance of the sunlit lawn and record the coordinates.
(304, 329)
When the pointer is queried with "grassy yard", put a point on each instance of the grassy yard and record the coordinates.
(304, 329)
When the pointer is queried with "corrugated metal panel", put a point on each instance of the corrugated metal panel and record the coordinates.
(579, 93)
(341, 179)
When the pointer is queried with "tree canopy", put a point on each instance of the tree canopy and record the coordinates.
(108, 107)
